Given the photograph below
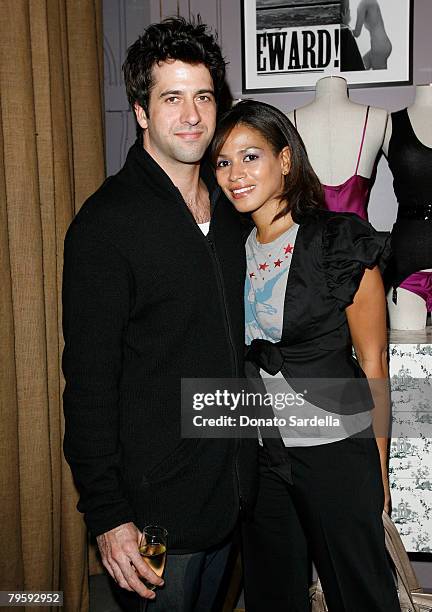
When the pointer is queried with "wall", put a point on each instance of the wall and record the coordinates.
(124, 20)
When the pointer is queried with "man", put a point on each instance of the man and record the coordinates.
(149, 299)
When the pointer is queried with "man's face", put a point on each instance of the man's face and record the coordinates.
(181, 113)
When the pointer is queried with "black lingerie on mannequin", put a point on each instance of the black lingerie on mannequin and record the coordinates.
(411, 164)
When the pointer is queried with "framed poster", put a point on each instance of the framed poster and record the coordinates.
(290, 44)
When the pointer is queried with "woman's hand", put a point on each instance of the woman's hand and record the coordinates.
(346, 17)
(387, 496)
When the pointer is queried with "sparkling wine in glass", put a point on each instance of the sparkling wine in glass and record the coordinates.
(152, 549)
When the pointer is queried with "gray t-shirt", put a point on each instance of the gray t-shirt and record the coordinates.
(266, 280)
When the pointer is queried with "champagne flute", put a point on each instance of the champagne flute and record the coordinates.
(152, 549)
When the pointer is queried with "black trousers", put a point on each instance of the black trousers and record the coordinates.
(322, 503)
(192, 583)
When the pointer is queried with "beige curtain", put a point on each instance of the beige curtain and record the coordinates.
(51, 159)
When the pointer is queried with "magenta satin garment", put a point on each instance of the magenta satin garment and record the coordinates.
(420, 283)
(352, 195)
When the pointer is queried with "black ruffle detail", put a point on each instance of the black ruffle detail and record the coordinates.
(350, 245)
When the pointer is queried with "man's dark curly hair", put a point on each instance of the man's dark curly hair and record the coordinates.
(177, 39)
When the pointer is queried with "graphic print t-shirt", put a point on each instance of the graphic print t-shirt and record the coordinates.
(266, 279)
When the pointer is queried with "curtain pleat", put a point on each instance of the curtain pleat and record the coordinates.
(51, 159)
(85, 69)
(11, 564)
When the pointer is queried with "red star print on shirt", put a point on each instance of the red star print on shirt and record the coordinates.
(251, 274)
(277, 263)
(289, 249)
(263, 266)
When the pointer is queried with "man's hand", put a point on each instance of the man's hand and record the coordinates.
(121, 557)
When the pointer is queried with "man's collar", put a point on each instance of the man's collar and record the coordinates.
(142, 170)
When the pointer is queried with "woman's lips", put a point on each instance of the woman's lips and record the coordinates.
(242, 192)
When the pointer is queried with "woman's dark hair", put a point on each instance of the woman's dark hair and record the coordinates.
(302, 191)
(176, 39)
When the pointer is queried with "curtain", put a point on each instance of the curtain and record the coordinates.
(51, 159)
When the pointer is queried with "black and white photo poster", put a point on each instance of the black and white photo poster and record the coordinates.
(290, 44)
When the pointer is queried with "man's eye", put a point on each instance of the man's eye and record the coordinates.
(172, 99)
(204, 98)
(250, 157)
(222, 163)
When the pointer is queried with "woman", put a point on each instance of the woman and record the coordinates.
(312, 290)
(369, 15)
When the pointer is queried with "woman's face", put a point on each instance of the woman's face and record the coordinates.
(249, 172)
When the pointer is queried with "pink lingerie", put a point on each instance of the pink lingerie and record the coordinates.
(352, 195)
(420, 283)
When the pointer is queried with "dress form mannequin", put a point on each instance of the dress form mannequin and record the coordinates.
(332, 129)
(420, 114)
(410, 312)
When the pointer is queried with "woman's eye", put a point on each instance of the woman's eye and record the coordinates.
(222, 163)
(250, 157)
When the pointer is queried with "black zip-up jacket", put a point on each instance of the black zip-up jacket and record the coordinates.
(147, 300)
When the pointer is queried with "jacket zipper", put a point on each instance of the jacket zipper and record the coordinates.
(236, 476)
(212, 249)
(222, 293)
(217, 266)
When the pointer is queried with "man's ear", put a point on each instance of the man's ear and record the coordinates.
(141, 116)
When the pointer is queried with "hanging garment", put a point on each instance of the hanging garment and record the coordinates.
(352, 195)
(410, 162)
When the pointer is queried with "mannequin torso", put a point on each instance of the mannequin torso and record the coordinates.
(420, 115)
(332, 129)
(410, 311)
